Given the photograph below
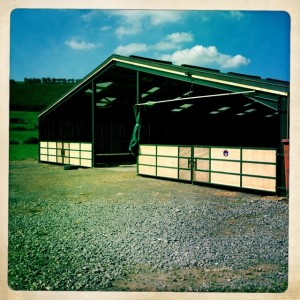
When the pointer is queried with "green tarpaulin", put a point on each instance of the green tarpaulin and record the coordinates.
(136, 131)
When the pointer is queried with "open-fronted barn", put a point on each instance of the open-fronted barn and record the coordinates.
(181, 122)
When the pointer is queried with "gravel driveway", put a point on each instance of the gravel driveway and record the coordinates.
(109, 229)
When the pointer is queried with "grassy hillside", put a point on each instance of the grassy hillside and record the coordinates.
(23, 125)
(35, 96)
(26, 101)
(23, 135)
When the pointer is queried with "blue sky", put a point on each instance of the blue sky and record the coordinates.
(70, 43)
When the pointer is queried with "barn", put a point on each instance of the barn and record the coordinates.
(184, 123)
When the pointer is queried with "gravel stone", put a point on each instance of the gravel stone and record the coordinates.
(90, 229)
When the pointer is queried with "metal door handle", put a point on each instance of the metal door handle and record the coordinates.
(191, 163)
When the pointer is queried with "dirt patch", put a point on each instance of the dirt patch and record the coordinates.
(274, 198)
(224, 193)
(192, 279)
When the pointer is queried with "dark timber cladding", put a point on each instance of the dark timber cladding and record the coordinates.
(129, 101)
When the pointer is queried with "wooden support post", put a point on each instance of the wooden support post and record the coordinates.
(283, 130)
(137, 87)
(93, 122)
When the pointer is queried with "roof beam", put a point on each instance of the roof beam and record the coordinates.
(219, 81)
(266, 102)
(149, 103)
(241, 85)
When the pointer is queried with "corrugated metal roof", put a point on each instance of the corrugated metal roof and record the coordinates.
(266, 89)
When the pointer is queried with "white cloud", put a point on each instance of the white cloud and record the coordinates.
(133, 21)
(197, 55)
(174, 41)
(131, 29)
(235, 61)
(77, 44)
(105, 28)
(90, 15)
(180, 37)
(129, 15)
(131, 48)
(163, 17)
(206, 56)
(130, 22)
(170, 42)
(235, 14)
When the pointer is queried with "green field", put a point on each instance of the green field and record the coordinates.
(26, 101)
(35, 96)
(23, 152)
(23, 127)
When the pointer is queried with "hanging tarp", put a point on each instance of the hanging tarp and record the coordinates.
(134, 142)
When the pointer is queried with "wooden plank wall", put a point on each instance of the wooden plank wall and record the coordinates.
(259, 169)
(232, 166)
(78, 154)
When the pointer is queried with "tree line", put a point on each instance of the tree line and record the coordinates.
(49, 80)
